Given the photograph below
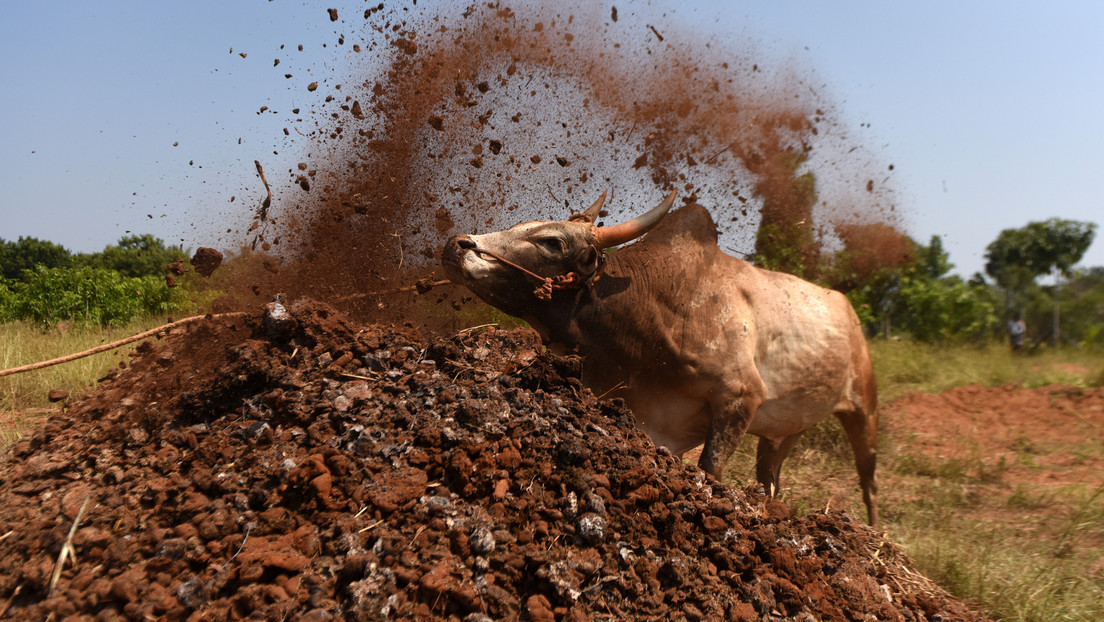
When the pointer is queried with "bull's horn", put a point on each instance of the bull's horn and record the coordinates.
(591, 213)
(614, 235)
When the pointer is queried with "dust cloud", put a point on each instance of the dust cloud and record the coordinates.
(452, 120)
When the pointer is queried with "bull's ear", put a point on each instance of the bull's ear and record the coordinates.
(586, 260)
(592, 212)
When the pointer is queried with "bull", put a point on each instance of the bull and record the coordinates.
(703, 347)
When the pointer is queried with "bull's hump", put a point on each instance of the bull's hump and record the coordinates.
(691, 223)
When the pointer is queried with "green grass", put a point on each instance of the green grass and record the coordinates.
(903, 367)
(1007, 566)
(23, 397)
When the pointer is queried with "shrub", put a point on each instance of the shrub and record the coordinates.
(7, 301)
(89, 295)
(940, 310)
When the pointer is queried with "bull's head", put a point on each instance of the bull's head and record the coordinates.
(513, 268)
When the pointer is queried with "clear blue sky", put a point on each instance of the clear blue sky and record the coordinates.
(991, 112)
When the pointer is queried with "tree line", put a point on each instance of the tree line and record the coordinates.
(919, 297)
(42, 282)
(899, 286)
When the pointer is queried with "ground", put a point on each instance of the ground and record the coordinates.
(1028, 459)
(1027, 434)
(300, 466)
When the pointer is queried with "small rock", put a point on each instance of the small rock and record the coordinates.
(277, 321)
(482, 541)
(590, 528)
(437, 505)
(72, 502)
(173, 548)
(593, 502)
(125, 587)
(57, 395)
(539, 609)
(255, 430)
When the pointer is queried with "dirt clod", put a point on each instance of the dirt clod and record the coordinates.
(206, 261)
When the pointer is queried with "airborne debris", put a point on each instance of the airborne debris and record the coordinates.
(262, 214)
(206, 261)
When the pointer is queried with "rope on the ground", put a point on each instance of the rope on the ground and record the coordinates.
(115, 344)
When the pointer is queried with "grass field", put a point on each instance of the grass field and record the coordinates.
(1023, 552)
(23, 397)
(903, 367)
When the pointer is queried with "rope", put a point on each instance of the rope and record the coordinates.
(547, 283)
(115, 344)
(423, 286)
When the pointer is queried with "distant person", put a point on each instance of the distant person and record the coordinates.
(1016, 331)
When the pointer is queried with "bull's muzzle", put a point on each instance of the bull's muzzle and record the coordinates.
(455, 248)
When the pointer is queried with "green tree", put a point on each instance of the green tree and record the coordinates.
(903, 286)
(869, 268)
(1082, 300)
(1019, 256)
(785, 239)
(932, 260)
(93, 295)
(28, 252)
(944, 309)
(137, 256)
(7, 301)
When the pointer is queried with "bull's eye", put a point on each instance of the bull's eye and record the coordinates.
(551, 244)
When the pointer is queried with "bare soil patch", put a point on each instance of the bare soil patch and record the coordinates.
(1031, 435)
(1030, 460)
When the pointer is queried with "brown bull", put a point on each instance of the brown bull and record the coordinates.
(704, 347)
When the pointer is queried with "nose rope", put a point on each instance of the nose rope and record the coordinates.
(547, 283)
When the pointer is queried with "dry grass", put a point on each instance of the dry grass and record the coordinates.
(903, 367)
(23, 397)
(1021, 551)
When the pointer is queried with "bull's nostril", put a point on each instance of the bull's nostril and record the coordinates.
(465, 242)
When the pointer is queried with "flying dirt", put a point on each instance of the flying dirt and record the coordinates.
(465, 120)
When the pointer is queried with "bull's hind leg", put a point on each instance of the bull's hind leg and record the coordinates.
(768, 461)
(862, 431)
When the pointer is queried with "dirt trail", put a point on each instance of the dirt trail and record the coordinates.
(300, 466)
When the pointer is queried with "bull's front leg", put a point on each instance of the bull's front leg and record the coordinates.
(728, 424)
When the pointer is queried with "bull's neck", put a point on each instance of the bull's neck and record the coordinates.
(556, 319)
(579, 318)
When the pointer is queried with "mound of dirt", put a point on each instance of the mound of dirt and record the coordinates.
(296, 466)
